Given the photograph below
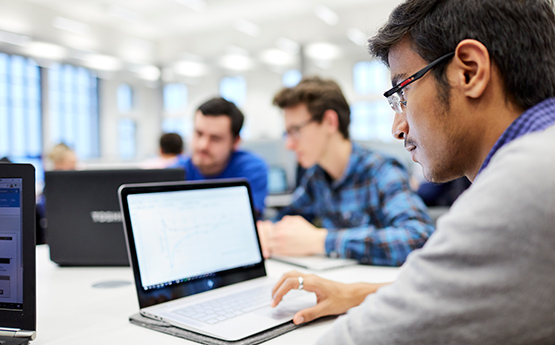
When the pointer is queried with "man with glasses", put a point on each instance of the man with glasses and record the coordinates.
(474, 95)
(351, 202)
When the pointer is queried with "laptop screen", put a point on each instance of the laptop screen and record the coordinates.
(190, 234)
(189, 237)
(11, 244)
(17, 249)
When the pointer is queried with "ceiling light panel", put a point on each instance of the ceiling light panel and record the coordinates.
(71, 25)
(326, 15)
(247, 27)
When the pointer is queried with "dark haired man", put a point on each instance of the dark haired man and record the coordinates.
(474, 88)
(215, 153)
(170, 150)
(361, 199)
(171, 144)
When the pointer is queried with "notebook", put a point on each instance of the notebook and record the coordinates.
(194, 249)
(17, 254)
(315, 262)
(84, 225)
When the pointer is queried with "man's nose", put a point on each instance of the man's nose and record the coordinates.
(400, 127)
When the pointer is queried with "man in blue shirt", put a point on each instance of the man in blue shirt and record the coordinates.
(215, 153)
(351, 202)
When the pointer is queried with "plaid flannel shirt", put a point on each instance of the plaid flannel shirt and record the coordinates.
(371, 213)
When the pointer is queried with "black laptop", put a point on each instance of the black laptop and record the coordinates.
(17, 254)
(84, 225)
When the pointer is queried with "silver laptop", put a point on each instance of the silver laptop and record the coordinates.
(197, 261)
(17, 254)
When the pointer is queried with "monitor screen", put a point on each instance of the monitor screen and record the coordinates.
(11, 244)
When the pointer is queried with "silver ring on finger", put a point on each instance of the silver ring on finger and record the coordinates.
(301, 283)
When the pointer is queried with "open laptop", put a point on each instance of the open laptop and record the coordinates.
(17, 254)
(195, 251)
(83, 218)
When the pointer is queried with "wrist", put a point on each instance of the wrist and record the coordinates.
(320, 241)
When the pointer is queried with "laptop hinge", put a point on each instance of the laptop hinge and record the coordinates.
(17, 333)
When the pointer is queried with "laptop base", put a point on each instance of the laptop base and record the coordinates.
(13, 341)
(164, 327)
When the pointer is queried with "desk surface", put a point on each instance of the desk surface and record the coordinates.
(70, 310)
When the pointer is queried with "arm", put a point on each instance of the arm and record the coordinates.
(255, 171)
(485, 276)
(333, 298)
(302, 201)
(400, 223)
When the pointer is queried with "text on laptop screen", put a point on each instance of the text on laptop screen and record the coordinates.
(171, 231)
(11, 246)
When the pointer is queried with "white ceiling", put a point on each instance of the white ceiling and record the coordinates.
(161, 32)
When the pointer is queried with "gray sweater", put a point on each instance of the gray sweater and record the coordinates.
(487, 275)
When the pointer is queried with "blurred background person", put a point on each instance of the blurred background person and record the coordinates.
(171, 148)
(62, 157)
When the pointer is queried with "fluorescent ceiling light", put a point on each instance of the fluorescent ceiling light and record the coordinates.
(147, 72)
(326, 15)
(288, 45)
(357, 37)
(323, 51)
(71, 25)
(236, 62)
(190, 68)
(199, 6)
(126, 14)
(13, 38)
(247, 27)
(102, 62)
(277, 57)
(46, 50)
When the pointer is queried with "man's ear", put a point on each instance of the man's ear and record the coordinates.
(473, 67)
(332, 119)
(236, 142)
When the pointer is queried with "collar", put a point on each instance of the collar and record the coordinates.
(537, 118)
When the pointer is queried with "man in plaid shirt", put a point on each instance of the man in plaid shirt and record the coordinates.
(351, 202)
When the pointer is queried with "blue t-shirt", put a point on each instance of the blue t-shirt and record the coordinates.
(241, 164)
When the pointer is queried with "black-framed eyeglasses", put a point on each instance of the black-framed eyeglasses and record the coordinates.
(395, 96)
(295, 131)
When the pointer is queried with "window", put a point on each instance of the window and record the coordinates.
(370, 77)
(291, 77)
(177, 125)
(125, 98)
(371, 121)
(175, 97)
(20, 109)
(234, 89)
(126, 138)
(73, 97)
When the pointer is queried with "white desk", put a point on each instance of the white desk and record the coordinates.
(71, 311)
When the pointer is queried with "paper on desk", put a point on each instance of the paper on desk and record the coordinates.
(315, 262)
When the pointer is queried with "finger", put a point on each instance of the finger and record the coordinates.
(288, 285)
(312, 313)
(283, 278)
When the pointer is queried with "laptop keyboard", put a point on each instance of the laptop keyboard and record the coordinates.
(227, 307)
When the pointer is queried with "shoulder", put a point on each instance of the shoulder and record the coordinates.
(530, 155)
(246, 157)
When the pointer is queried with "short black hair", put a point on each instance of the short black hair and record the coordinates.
(519, 36)
(219, 106)
(171, 143)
